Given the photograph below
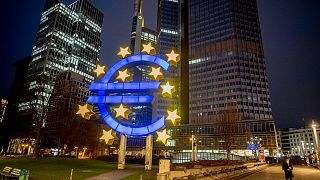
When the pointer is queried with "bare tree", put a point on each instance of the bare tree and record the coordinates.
(229, 131)
(39, 107)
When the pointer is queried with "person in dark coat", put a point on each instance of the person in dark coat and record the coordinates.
(287, 168)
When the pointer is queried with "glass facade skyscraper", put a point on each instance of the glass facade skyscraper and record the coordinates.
(227, 65)
(227, 73)
(68, 39)
(170, 24)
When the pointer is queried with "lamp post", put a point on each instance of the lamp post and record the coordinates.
(314, 128)
(194, 148)
(302, 147)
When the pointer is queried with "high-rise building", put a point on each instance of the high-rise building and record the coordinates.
(228, 87)
(14, 126)
(143, 114)
(139, 34)
(70, 90)
(68, 39)
(227, 65)
(172, 25)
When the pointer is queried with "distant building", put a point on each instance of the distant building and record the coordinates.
(139, 34)
(143, 114)
(211, 140)
(297, 142)
(68, 39)
(70, 90)
(3, 108)
(11, 125)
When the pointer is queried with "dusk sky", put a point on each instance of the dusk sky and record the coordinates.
(290, 31)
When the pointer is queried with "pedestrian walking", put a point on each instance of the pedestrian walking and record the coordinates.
(287, 168)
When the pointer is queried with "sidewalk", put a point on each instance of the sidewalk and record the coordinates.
(118, 174)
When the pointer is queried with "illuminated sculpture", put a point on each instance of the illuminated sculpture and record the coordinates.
(254, 143)
(116, 94)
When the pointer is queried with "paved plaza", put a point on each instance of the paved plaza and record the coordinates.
(119, 174)
(276, 173)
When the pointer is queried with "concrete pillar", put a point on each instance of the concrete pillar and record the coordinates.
(194, 152)
(148, 157)
(122, 152)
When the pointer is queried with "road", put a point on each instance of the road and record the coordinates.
(276, 173)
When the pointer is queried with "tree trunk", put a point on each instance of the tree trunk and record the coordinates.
(37, 143)
(228, 155)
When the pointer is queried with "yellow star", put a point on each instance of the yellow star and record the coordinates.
(156, 73)
(173, 116)
(108, 136)
(147, 48)
(163, 136)
(173, 58)
(122, 112)
(123, 75)
(100, 70)
(124, 52)
(85, 111)
(167, 89)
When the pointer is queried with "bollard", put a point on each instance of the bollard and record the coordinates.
(71, 174)
(161, 176)
(21, 176)
(26, 174)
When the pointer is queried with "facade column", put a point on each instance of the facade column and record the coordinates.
(148, 156)
(122, 152)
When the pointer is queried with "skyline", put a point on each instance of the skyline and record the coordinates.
(282, 44)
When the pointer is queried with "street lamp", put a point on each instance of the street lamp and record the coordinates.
(314, 128)
(194, 148)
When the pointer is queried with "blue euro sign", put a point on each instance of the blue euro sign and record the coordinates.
(105, 85)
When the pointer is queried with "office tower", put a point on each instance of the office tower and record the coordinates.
(141, 115)
(172, 25)
(68, 39)
(63, 125)
(11, 125)
(139, 34)
(227, 65)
